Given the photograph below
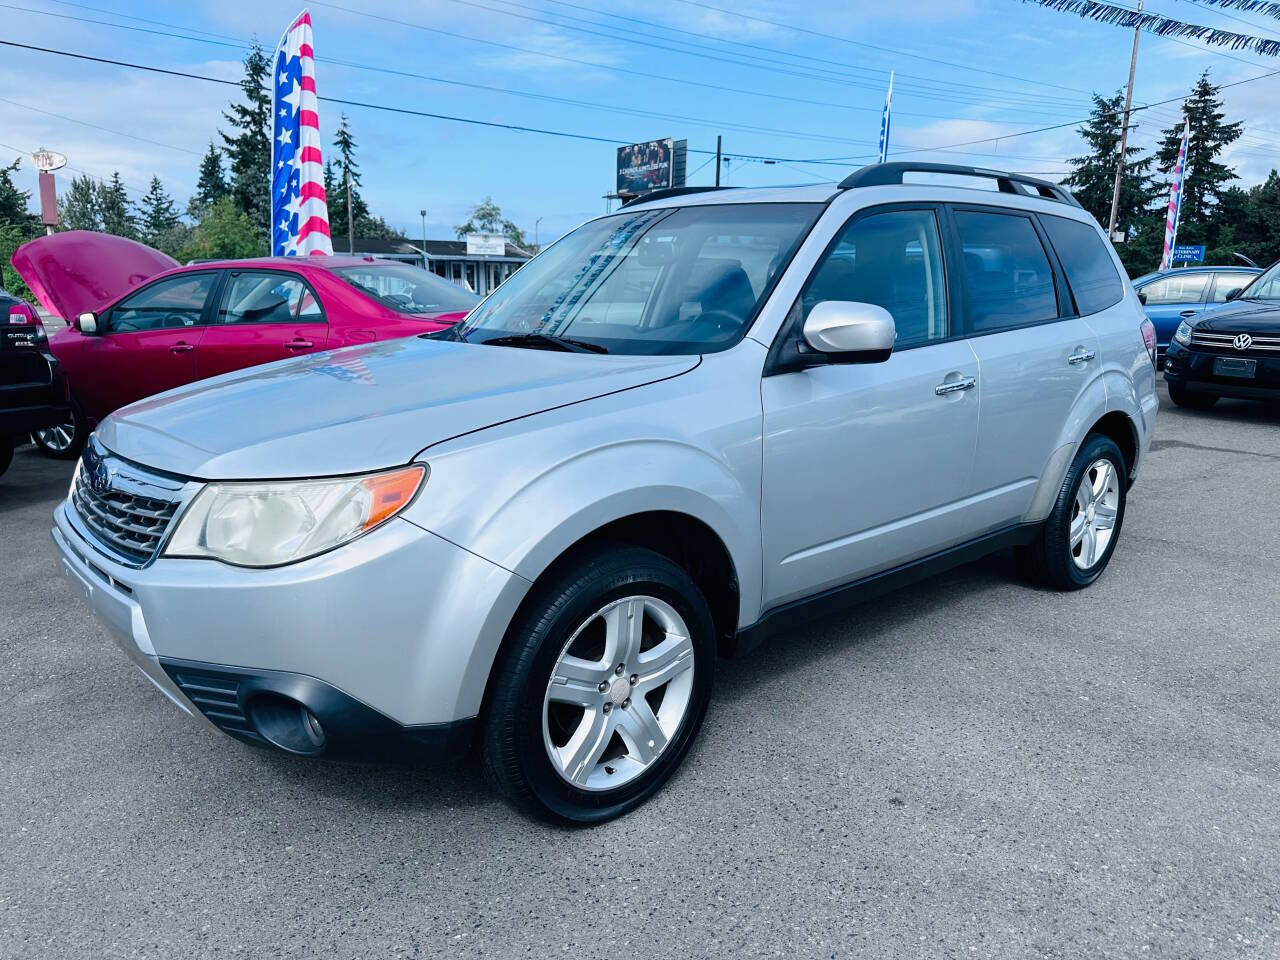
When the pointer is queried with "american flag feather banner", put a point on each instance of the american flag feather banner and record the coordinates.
(1162, 26)
(299, 214)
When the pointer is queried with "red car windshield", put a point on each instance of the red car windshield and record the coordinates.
(407, 289)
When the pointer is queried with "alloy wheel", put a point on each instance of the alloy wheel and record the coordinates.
(1093, 514)
(618, 693)
(58, 438)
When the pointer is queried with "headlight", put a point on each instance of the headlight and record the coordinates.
(1183, 334)
(268, 524)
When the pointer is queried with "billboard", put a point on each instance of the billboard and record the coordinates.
(654, 165)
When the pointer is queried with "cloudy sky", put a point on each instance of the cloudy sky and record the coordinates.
(798, 82)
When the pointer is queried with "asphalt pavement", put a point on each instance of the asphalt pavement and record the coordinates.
(970, 768)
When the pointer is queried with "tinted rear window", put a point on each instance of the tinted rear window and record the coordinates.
(1007, 275)
(1090, 271)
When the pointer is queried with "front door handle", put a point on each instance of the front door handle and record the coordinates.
(954, 386)
(1187, 313)
(299, 344)
(1084, 356)
(182, 347)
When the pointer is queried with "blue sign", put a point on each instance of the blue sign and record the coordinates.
(1185, 253)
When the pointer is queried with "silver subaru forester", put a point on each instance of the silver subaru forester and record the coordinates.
(672, 433)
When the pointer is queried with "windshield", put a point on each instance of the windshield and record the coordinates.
(407, 289)
(669, 281)
(1266, 287)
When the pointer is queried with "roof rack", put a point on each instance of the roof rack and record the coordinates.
(670, 192)
(885, 174)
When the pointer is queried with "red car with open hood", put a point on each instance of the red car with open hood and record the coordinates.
(139, 324)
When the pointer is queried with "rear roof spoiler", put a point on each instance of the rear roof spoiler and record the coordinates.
(890, 174)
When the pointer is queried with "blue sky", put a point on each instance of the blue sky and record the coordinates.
(966, 70)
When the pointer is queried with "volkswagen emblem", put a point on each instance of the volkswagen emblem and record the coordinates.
(1242, 341)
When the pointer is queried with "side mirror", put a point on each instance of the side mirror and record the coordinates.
(848, 332)
(88, 323)
(1142, 298)
(1233, 294)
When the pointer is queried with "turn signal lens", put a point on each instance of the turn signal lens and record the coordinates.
(391, 492)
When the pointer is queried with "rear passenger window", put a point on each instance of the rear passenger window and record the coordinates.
(1090, 271)
(1008, 279)
(894, 260)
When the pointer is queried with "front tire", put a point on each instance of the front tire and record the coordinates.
(601, 689)
(1077, 540)
(1191, 401)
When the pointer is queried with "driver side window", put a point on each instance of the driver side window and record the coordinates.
(893, 260)
(172, 303)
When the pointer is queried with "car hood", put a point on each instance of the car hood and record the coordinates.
(1243, 316)
(74, 272)
(360, 408)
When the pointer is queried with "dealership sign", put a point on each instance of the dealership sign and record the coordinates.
(486, 245)
(653, 165)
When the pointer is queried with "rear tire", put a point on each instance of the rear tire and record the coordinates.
(63, 441)
(1191, 401)
(555, 735)
(1077, 540)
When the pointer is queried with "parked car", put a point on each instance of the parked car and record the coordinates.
(676, 430)
(138, 324)
(1172, 296)
(1231, 351)
(33, 389)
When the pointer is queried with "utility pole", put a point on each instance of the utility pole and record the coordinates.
(351, 221)
(536, 244)
(423, 214)
(1124, 129)
(717, 160)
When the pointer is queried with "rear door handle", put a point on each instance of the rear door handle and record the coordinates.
(1084, 356)
(299, 344)
(182, 347)
(1187, 313)
(954, 386)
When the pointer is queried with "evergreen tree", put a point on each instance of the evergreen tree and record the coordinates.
(78, 209)
(113, 204)
(249, 147)
(1204, 179)
(1093, 177)
(212, 185)
(13, 202)
(336, 186)
(156, 214)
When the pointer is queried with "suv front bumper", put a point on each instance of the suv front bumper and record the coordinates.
(387, 641)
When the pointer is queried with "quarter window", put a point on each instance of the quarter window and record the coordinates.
(1090, 271)
(166, 304)
(894, 260)
(1177, 288)
(267, 298)
(1008, 280)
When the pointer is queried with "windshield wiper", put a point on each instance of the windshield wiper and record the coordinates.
(543, 341)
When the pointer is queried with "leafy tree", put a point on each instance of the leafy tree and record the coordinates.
(212, 185)
(1204, 179)
(113, 204)
(249, 145)
(79, 207)
(157, 215)
(224, 232)
(486, 217)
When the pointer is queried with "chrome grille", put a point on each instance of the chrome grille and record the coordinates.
(125, 509)
(1261, 346)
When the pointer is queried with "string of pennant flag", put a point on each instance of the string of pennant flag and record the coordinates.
(1265, 7)
(1167, 26)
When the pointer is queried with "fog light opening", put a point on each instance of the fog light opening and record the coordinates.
(287, 724)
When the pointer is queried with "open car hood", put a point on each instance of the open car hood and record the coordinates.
(74, 272)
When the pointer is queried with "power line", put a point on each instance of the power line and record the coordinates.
(86, 123)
